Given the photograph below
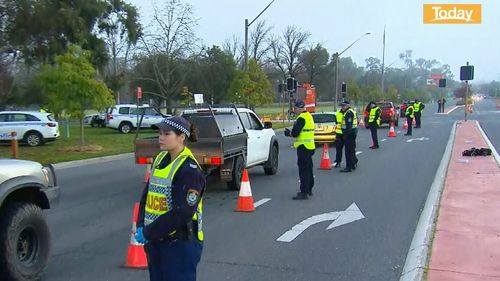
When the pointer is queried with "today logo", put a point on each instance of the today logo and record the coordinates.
(452, 13)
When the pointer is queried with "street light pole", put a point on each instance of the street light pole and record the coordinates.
(247, 25)
(337, 56)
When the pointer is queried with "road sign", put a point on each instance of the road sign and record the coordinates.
(351, 214)
(139, 93)
(198, 98)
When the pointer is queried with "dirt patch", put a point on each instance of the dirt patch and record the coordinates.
(84, 148)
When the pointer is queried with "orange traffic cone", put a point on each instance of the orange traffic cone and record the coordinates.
(406, 124)
(245, 199)
(362, 122)
(136, 257)
(326, 164)
(414, 122)
(147, 175)
(392, 133)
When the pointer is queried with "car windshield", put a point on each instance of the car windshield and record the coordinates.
(323, 118)
(385, 105)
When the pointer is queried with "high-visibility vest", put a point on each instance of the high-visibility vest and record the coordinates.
(354, 120)
(410, 111)
(373, 112)
(417, 107)
(306, 136)
(338, 127)
(159, 197)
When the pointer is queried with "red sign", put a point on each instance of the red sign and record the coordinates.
(437, 76)
(139, 92)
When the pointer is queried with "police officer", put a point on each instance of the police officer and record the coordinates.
(339, 138)
(374, 123)
(349, 131)
(170, 213)
(409, 118)
(303, 132)
(418, 107)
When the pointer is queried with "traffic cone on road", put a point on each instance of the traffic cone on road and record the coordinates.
(362, 122)
(392, 133)
(414, 122)
(136, 257)
(245, 199)
(148, 173)
(406, 124)
(326, 163)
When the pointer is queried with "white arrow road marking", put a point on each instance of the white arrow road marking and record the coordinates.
(349, 215)
(359, 152)
(383, 139)
(418, 139)
(353, 213)
(399, 132)
(261, 201)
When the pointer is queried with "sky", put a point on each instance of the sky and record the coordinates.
(337, 23)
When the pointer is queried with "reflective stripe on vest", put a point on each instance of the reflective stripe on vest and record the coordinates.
(159, 197)
(338, 127)
(409, 112)
(354, 120)
(373, 112)
(306, 136)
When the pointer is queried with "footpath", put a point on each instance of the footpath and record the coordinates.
(466, 243)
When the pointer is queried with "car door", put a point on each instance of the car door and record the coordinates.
(252, 139)
(19, 124)
(5, 130)
(151, 117)
(261, 140)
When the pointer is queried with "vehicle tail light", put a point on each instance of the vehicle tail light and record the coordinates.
(52, 125)
(367, 113)
(215, 161)
(143, 160)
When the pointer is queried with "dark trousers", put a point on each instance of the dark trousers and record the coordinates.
(350, 150)
(410, 125)
(305, 163)
(418, 115)
(439, 108)
(173, 260)
(373, 130)
(339, 146)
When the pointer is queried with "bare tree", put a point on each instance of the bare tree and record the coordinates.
(170, 38)
(259, 45)
(234, 48)
(285, 50)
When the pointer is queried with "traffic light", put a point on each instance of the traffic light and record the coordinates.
(343, 88)
(442, 83)
(280, 88)
(467, 72)
(295, 84)
(290, 82)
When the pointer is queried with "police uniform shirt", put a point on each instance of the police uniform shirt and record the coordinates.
(187, 184)
(298, 126)
(349, 119)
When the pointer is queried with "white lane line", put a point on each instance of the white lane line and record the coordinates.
(261, 201)
(359, 152)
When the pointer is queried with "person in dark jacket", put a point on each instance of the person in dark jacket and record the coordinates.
(349, 131)
(303, 132)
(170, 212)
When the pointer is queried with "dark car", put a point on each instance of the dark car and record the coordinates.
(390, 113)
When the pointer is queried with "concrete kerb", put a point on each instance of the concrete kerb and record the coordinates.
(493, 150)
(78, 163)
(416, 259)
(451, 110)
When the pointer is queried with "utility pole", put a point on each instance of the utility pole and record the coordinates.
(383, 60)
(247, 25)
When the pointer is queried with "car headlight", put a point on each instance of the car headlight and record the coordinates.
(49, 175)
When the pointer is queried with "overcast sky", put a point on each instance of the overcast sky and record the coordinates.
(337, 23)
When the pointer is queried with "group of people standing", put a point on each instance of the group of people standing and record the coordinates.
(441, 102)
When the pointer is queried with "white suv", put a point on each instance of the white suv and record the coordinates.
(125, 117)
(31, 127)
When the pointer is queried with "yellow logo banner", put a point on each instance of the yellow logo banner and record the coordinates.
(452, 13)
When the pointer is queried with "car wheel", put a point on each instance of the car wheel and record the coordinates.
(125, 128)
(24, 242)
(237, 173)
(92, 124)
(271, 166)
(33, 139)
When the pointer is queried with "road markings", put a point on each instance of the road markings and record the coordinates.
(399, 132)
(383, 139)
(359, 152)
(261, 201)
(418, 139)
(351, 214)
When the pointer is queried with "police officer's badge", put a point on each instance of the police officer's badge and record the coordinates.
(192, 197)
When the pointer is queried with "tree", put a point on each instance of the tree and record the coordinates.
(314, 61)
(286, 49)
(121, 27)
(251, 87)
(234, 48)
(171, 39)
(258, 42)
(69, 85)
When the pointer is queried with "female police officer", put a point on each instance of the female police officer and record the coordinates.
(170, 212)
